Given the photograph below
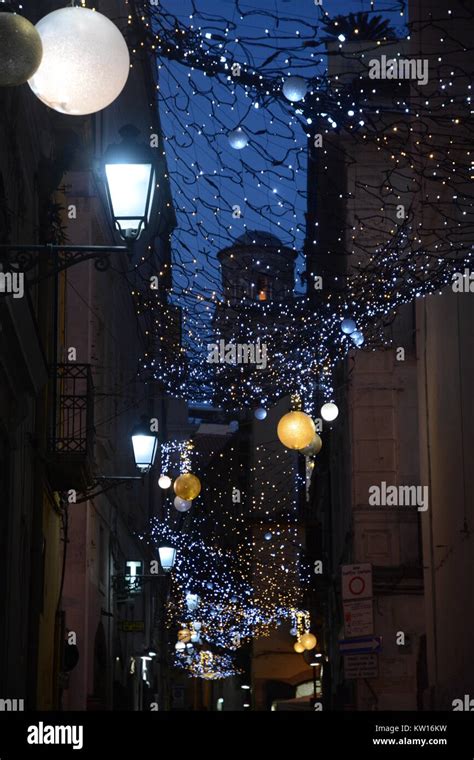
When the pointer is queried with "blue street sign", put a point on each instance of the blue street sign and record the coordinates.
(361, 645)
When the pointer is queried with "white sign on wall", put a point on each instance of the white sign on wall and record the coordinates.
(356, 582)
(358, 618)
(361, 666)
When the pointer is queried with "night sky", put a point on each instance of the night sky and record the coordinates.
(266, 181)
(274, 201)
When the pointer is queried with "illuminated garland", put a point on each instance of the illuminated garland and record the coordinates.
(206, 664)
(239, 572)
(221, 84)
(204, 96)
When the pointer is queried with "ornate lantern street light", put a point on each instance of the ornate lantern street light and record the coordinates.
(145, 444)
(130, 181)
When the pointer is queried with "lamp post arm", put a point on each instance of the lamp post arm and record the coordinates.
(26, 256)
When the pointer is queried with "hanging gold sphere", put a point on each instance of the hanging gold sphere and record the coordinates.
(184, 635)
(314, 447)
(308, 640)
(298, 647)
(21, 49)
(296, 430)
(187, 486)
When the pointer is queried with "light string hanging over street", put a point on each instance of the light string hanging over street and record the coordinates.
(216, 75)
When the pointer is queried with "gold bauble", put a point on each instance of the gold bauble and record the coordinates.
(298, 647)
(308, 640)
(184, 635)
(187, 486)
(296, 430)
(21, 49)
(314, 447)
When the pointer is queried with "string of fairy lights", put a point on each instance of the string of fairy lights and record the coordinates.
(219, 76)
(239, 571)
(252, 103)
(300, 144)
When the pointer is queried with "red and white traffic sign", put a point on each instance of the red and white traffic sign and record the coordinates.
(356, 581)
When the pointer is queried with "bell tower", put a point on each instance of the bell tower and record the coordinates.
(257, 267)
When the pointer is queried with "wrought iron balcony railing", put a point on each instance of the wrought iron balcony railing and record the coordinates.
(71, 441)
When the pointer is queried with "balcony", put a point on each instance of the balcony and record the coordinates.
(71, 440)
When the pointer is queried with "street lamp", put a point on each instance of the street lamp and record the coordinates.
(167, 557)
(130, 181)
(128, 170)
(145, 444)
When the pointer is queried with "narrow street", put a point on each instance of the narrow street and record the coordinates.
(236, 367)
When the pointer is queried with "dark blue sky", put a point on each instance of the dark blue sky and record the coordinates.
(206, 172)
(267, 179)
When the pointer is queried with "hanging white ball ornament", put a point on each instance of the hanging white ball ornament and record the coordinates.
(182, 505)
(294, 89)
(348, 326)
(85, 62)
(164, 481)
(329, 411)
(238, 139)
(357, 338)
(192, 601)
(260, 413)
